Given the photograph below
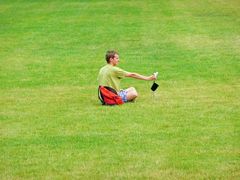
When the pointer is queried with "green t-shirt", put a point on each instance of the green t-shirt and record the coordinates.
(110, 76)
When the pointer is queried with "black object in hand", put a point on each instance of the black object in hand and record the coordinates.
(154, 86)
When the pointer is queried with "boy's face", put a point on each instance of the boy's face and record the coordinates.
(115, 60)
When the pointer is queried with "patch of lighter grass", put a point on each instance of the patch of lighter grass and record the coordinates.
(199, 42)
(27, 111)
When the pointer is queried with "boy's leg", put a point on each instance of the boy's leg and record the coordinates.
(131, 93)
(128, 94)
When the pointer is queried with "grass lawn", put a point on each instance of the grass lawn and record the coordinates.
(52, 125)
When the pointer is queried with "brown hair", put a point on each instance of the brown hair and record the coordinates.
(110, 54)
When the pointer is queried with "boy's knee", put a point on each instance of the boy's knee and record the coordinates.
(134, 92)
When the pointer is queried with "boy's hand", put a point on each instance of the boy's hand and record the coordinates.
(155, 74)
(152, 77)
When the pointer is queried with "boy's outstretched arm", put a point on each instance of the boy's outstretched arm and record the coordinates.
(141, 77)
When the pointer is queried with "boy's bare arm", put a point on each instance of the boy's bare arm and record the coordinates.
(141, 77)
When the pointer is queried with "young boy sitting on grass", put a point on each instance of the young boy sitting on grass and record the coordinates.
(110, 75)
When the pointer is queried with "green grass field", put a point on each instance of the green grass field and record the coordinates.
(52, 125)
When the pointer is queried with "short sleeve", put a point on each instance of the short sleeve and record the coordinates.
(120, 73)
